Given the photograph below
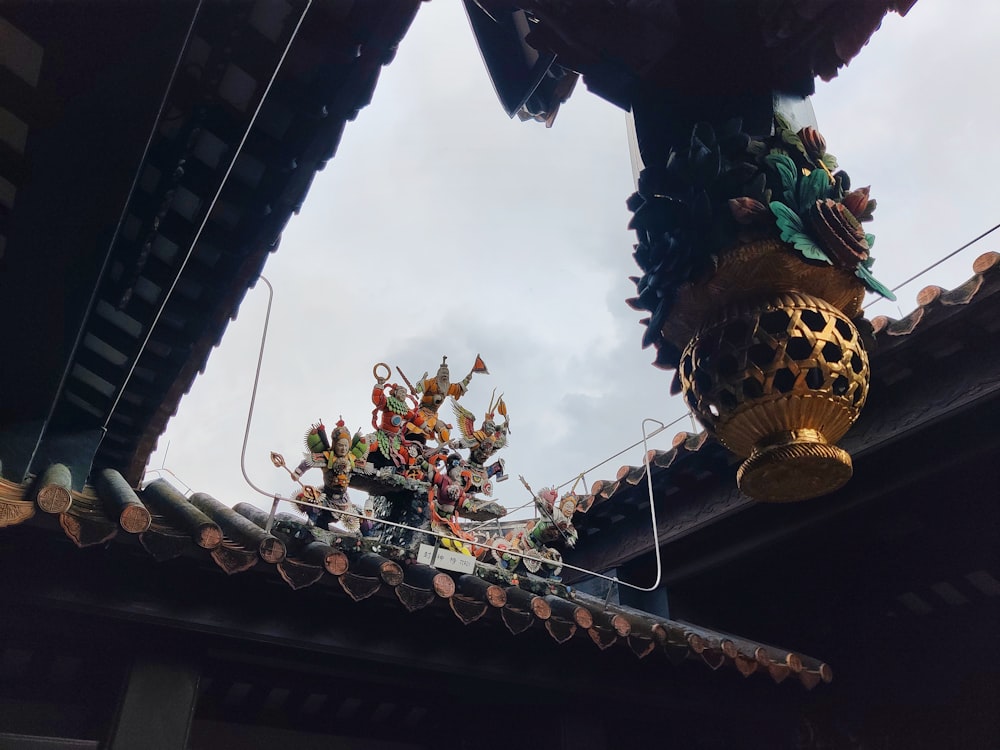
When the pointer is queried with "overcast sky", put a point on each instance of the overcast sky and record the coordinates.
(442, 227)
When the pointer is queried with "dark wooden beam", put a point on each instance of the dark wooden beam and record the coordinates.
(584, 732)
(158, 704)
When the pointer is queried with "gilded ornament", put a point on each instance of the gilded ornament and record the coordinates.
(763, 238)
(779, 382)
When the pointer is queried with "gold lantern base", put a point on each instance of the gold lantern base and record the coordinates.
(757, 270)
(779, 380)
(796, 465)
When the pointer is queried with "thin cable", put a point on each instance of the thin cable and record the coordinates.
(582, 474)
(652, 513)
(64, 378)
(636, 444)
(442, 535)
(164, 470)
(253, 394)
(510, 511)
(652, 508)
(208, 212)
(935, 264)
(188, 489)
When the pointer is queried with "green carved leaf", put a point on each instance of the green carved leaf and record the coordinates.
(809, 249)
(787, 173)
(870, 239)
(831, 161)
(872, 283)
(813, 187)
(787, 218)
(793, 231)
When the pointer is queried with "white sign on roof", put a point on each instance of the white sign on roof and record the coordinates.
(446, 559)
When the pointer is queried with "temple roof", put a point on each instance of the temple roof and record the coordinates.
(351, 567)
(145, 199)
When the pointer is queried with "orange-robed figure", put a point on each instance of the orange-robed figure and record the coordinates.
(433, 392)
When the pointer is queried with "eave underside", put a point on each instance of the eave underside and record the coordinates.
(148, 199)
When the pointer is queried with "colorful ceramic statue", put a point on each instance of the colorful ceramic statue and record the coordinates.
(452, 490)
(394, 417)
(446, 497)
(447, 492)
(424, 488)
(529, 547)
(433, 392)
(517, 553)
(482, 443)
(337, 458)
(556, 522)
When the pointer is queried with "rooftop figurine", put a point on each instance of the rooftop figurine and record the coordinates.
(394, 417)
(412, 483)
(337, 455)
(483, 443)
(556, 522)
(528, 548)
(433, 392)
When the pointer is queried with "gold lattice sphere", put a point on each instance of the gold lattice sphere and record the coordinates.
(779, 382)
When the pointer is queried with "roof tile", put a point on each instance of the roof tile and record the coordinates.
(364, 574)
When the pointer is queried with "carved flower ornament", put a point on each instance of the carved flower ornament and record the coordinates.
(725, 188)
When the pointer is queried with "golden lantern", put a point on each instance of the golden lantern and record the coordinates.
(755, 298)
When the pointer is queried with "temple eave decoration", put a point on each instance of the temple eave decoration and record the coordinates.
(360, 567)
(428, 536)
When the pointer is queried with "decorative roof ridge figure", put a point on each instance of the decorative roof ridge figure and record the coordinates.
(394, 417)
(488, 439)
(337, 455)
(410, 483)
(527, 548)
(433, 392)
